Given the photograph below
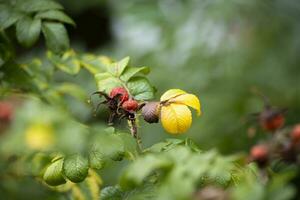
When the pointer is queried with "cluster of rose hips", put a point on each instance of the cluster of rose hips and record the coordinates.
(284, 144)
(123, 106)
(119, 103)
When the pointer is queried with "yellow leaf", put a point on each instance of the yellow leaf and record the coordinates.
(189, 100)
(171, 94)
(176, 118)
(94, 182)
(77, 193)
(105, 60)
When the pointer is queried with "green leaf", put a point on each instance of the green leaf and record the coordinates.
(145, 191)
(111, 193)
(129, 72)
(38, 163)
(120, 75)
(75, 168)
(72, 90)
(68, 62)
(165, 145)
(2, 61)
(130, 145)
(56, 36)
(96, 160)
(55, 15)
(8, 16)
(94, 64)
(106, 82)
(6, 49)
(37, 5)
(53, 174)
(136, 173)
(28, 31)
(117, 68)
(109, 145)
(16, 76)
(140, 88)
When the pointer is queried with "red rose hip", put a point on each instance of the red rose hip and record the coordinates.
(130, 105)
(6, 111)
(259, 154)
(271, 120)
(119, 91)
(295, 134)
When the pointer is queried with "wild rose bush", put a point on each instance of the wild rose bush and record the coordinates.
(47, 146)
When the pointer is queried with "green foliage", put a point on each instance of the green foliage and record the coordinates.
(67, 62)
(75, 168)
(28, 31)
(56, 36)
(30, 16)
(55, 15)
(8, 16)
(111, 193)
(251, 186)
(119, 74)
(146, 191)
(53, 174)
(111, 145)
(34, 5)
(178, 171)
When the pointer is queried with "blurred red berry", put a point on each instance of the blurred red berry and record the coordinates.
(130, 105)
(6, 111)
(119, 91)
(259, 154)
(271, 120)
(295, 134)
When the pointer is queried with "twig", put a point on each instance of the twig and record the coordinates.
(134, 133)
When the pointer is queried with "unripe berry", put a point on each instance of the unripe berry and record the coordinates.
(130, 105)
(150, 112)
(295, 134)
(260, 154)
(271, 120)
(119, 91)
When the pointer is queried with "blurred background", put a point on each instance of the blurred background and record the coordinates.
(219, 50)
(222, 51)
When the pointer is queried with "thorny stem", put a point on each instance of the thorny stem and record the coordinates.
(131, 117)
(134, 133)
